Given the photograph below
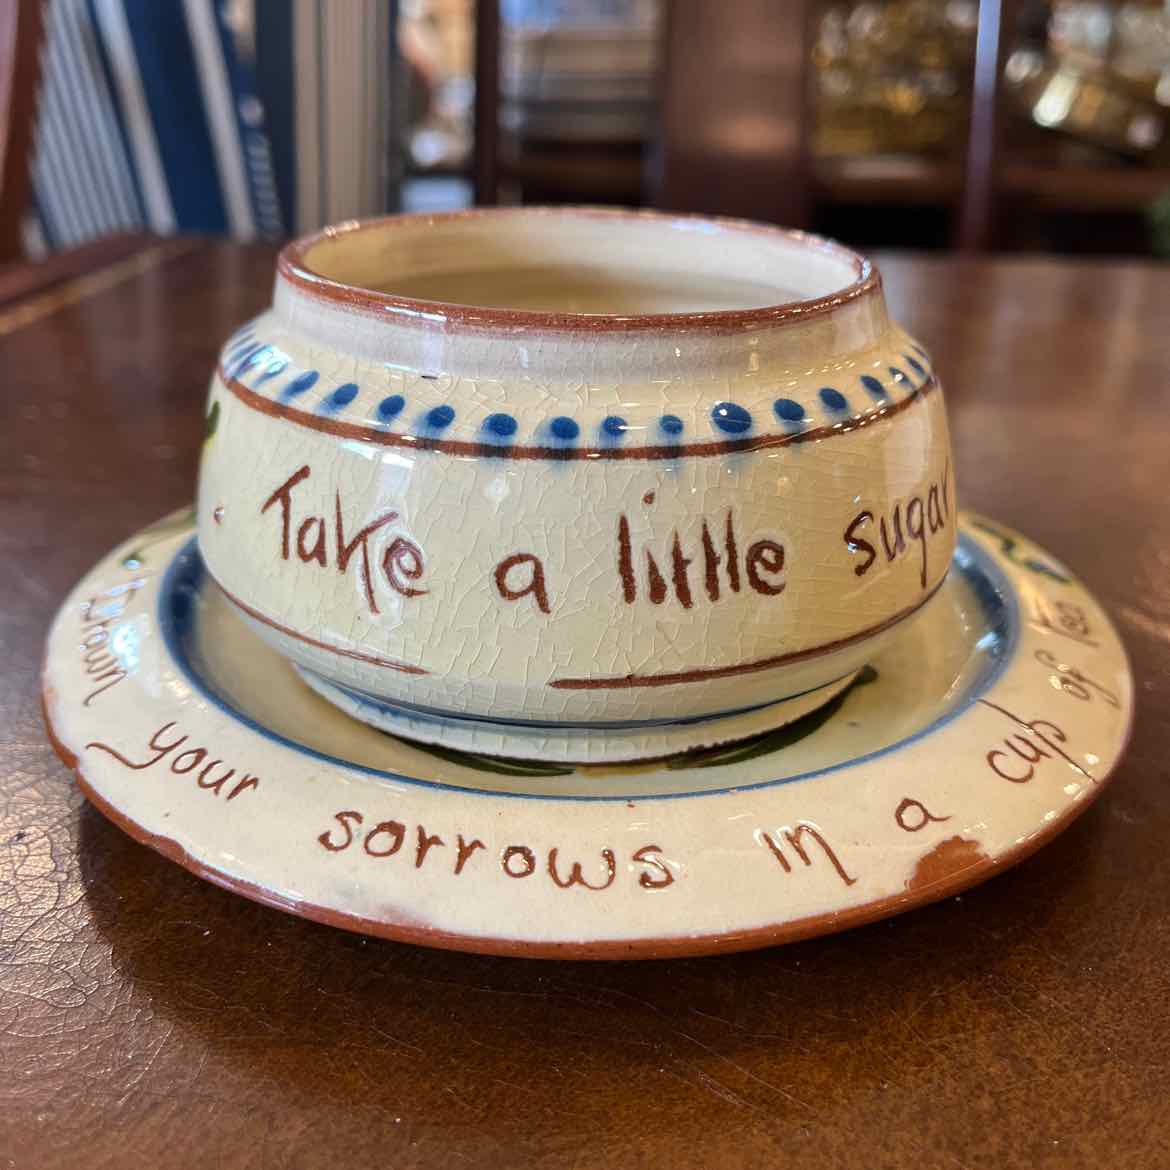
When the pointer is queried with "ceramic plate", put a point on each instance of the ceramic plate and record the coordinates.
(995, 717)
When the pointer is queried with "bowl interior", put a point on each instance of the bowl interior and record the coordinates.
(577, 261)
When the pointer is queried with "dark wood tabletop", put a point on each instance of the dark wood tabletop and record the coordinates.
(151, 1019)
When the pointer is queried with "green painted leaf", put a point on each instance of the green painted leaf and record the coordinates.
(1009, 546)
(149, 537)
(500, 766)
(776, 740)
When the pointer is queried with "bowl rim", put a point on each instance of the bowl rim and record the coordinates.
(293, 269)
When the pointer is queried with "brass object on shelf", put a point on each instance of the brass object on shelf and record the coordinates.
(1102, 77)
(1086, 106)
(892, 77)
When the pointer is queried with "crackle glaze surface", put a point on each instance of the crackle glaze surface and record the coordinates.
(559, 519)
(982, 729)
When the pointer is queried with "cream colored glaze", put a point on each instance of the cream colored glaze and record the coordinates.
(926, 818)
(464, 509)
(932, 660)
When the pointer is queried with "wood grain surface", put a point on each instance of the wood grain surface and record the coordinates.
(150, 1019)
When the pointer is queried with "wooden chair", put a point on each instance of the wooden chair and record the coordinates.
(736, 107)
(735, 112)
(733, 135)
(732, 109)
(486, 162)
(20, 42)
(739, 151)
(537, 167)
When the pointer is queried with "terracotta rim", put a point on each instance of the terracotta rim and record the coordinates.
(292, 268)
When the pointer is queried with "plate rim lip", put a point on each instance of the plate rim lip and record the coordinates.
(665, 946)
(646, 947)
(965, 545)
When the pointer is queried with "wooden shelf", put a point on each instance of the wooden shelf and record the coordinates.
(1085, 188)
(1059, 187)
(590, 174)
(703, 160)
(888, 179)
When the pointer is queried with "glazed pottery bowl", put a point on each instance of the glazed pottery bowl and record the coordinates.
(594, 478)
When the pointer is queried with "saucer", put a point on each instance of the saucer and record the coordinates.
(979, 732)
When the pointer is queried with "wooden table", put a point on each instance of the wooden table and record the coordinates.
(149, 1019)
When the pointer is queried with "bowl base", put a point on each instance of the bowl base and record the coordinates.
(573, 743)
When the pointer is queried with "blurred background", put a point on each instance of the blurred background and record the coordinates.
(973, 124)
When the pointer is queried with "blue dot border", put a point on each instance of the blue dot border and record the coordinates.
(266, 370)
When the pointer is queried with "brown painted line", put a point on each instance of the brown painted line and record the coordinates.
(372, 659)
(84, 287)
(1028, 727)
(626, 681)
(350, 430)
